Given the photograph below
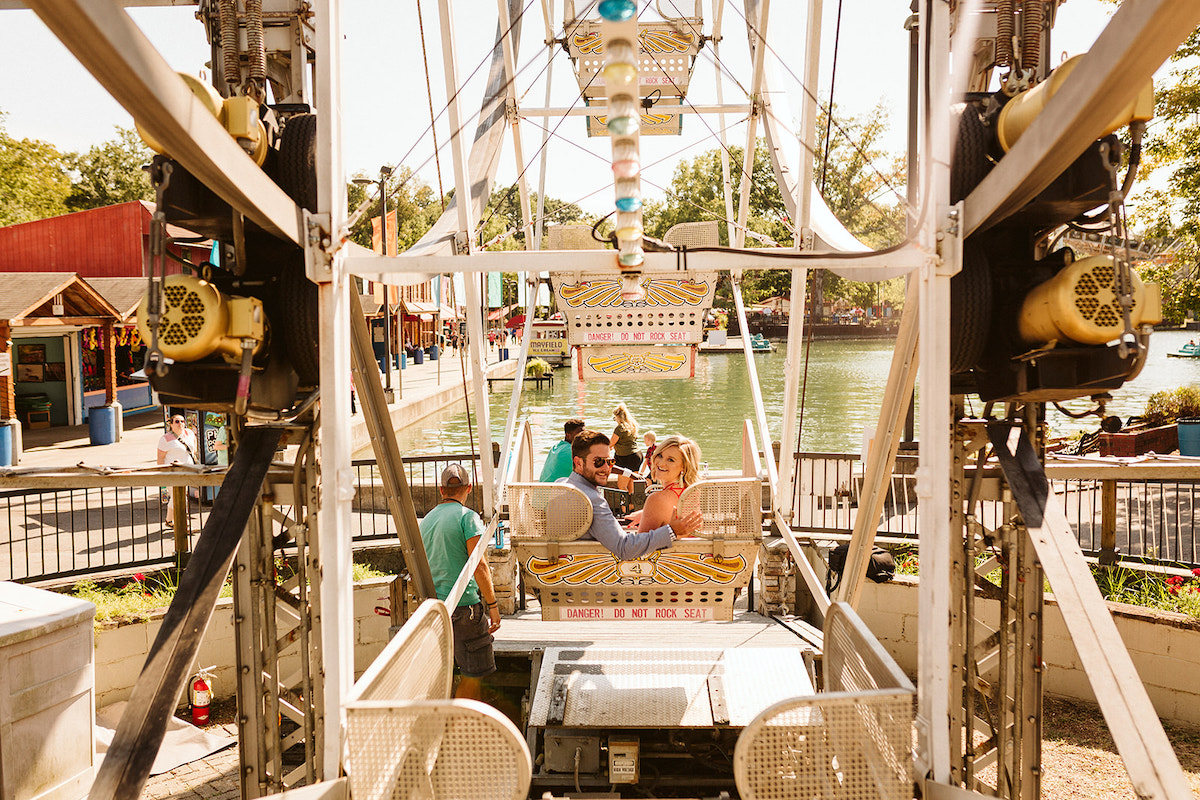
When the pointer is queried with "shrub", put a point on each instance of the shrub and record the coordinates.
(536, 368)
(1169, 406)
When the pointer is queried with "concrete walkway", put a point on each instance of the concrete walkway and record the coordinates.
(421, 389)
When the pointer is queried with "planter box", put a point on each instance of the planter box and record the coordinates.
(1137, 442)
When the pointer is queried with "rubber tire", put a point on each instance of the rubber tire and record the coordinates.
(300, 322)
(969, 164)
(970, 309)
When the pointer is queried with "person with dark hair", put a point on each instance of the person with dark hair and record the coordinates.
(450, 533)
(593, 464)
(558, 460)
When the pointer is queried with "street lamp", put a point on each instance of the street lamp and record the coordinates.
(384, 173)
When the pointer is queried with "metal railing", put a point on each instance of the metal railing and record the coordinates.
(1131, 513)
(51, 533)
(1121, 513)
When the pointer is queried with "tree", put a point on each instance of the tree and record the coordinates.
(1180, 292)
(33, 179)
(414, 203)
(862, 186)
(1172, 144)
(110, 173)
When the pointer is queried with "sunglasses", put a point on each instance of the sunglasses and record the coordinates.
(176, 420)
(599, 462)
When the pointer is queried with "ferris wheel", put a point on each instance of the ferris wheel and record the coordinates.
(1005, 150)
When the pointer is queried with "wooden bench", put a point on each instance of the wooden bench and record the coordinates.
(696, 578)
(854, 740)
(405, 738)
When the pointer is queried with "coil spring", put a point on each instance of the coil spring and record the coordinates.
(1004, 33)
(255, 42)
(227, 17)
(1032, 15)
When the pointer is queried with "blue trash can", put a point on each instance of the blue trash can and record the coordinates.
(1189, 436)
(102, 424)
(6, 445)
(418, 356)
(504, 354)
(433, 352)
(403, 360)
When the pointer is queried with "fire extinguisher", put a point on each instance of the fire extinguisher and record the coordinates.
(201, 695)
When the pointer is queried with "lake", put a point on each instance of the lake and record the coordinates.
(845, 384)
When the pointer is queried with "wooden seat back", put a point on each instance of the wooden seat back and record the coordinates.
(696, 578)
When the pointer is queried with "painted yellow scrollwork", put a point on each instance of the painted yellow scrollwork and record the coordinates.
(622, 364)
(659, 292)
(663, 567)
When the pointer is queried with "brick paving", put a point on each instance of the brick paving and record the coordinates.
(212, 778)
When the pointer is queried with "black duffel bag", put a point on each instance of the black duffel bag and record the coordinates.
(881, 568)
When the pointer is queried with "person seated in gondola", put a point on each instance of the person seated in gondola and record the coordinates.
(590, 456)
(674, 467)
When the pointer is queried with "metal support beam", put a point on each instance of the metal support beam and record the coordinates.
(882, 455)
(1152, 765)
(108, 43)
(387, 453)
(863, 267)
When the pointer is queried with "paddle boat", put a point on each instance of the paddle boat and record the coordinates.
(1189, 350)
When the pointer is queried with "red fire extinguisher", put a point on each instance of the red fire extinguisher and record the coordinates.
(201, 695)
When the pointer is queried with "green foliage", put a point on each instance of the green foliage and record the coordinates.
(110, 173)
(1172, 144)
(1168, 406)
(414, 203)
(33, 179)
(536, 368)
(1180, 290)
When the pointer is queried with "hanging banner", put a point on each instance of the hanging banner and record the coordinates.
(493, 290)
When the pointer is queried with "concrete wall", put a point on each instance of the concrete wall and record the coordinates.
(121, 647)
(1165, 647)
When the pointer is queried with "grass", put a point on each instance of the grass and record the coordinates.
(144, 593)
(1120, 584)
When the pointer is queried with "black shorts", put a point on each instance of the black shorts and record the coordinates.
(632, 462)
(472, 641)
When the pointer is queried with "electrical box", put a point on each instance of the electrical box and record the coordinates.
(560, 753)
(623, 759)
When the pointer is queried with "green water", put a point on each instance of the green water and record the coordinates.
(845, 384)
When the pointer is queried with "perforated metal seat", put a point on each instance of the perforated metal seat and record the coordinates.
(436, 750)
(852, 741)
(696, 578)
(417, 664)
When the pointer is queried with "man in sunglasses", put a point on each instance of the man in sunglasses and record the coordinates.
(593, 463)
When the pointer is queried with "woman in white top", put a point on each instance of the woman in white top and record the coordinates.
(176, 446)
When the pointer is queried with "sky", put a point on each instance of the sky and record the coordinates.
(386, 108)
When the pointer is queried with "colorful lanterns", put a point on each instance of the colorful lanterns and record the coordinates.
(620, 74)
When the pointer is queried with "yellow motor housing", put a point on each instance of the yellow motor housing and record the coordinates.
(239, 116)
(1080, 304)
(199, 320)
(1019, 113)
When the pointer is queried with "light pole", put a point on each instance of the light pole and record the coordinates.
(384, 172)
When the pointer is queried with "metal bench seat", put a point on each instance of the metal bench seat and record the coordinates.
(405, 738)
(852, 741)
(696, 578)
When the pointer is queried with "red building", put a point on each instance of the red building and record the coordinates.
(109, 242)
(86, 331)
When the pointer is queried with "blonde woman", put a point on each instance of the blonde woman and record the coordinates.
(675, 467)
(624, 442)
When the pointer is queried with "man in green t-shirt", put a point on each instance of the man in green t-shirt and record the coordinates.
(558, 460)
(450, 533)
